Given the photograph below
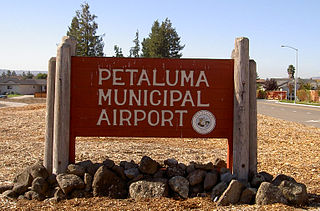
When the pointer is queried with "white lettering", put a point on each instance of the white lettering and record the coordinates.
(136, 117)
(199, 104)
(172, 99)
(143, 77)
(202, 78)
(116, 97)
(122, 119)
(150, 119)
(101, 71)
(187, 98)
(103, 117)
(133, 96)
(151, 97)
(131, 71)
(105, 97)
(163, 117)
(115, 78)
(181, 112)
(155, 79)
(185, 78)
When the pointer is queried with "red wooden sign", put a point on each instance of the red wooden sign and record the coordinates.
(140, 97)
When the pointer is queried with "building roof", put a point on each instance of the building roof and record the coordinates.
(12, 81)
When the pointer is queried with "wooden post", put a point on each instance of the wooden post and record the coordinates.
(49, 115)
(62, 105)
(253, 118)
(241, 109)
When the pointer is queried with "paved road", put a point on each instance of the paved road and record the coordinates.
(296, 113)
(11, 104)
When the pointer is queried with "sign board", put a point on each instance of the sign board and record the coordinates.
(142, 97)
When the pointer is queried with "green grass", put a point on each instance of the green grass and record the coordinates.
(13, 95)
(301, 102)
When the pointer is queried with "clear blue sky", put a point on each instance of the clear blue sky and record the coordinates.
(31, 29)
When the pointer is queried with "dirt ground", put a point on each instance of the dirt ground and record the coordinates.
(283, 148)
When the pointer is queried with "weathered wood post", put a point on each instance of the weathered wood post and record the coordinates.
(241, 109)
(62, 105)
(49, 114)
(252, 118)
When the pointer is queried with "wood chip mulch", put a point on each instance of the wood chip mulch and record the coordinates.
(283, 148)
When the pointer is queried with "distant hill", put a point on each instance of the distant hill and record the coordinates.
(19, 72)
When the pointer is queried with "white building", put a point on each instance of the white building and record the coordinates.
(24, 87)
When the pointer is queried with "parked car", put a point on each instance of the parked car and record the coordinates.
(3, 96)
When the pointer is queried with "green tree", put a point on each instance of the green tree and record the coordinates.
(3, 75)
(9, 74)
(14, 73)
(24, 76)
(41, 76)
(163, 41)
(291, 70)
(270, 85)
(134, 51)
(83, 27)
(118, 51)
(29, 75)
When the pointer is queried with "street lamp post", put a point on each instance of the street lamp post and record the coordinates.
(296, 77)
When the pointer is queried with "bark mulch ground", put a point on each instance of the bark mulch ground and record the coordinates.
(283, 148)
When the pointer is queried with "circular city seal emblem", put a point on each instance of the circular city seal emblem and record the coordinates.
(203, 122)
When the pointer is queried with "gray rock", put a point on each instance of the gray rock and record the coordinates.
(224, 170)
(173, 171)
(210, 180)
(190, 168)
(40, 185)
(256, 180)
(119, 171)
(69, 182)
(226, 177)
(92, 169)
(38, 170)
(247, 196)
(10, 194)
(180, 185)
(269, 194)
(149, 189)
(196, 177)
(87, 179)
(219, 163)
(128, 165)
(108, 163)
(76, 170)
(148, 166)
(107, 183)
(232, 194)
(295, 193)
(218, 190)
(207, 167)
(4, 188)
(85, 164)
(160, 173)
(131, 173)
(282, 177)
(21, 197)
(24, 178)
(198, 188)
(171, 162)
(20, 188)
(182, 166)
(77, 194)
(59, 195)
(52, 180)
(267, 177)
(32, 195)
